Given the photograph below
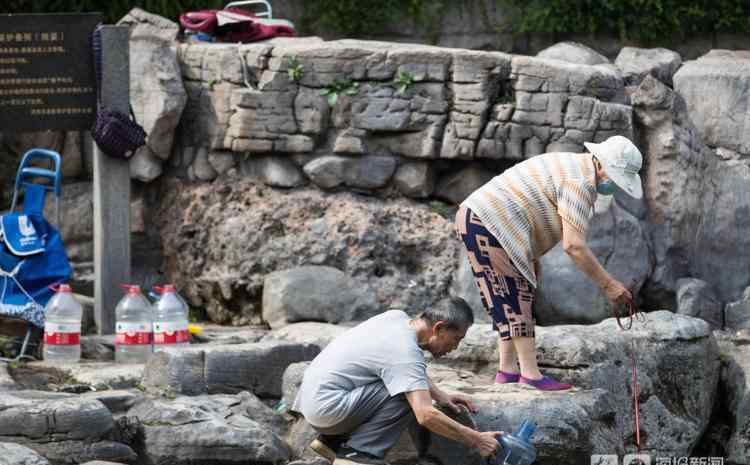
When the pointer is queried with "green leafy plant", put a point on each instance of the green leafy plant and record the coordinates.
(403, 82)
(295, 69)
(644, 22)
(339, 87)
(441, 208)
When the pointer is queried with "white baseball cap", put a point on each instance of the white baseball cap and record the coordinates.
(622, 161)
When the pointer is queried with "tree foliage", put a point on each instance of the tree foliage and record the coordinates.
(645, 21)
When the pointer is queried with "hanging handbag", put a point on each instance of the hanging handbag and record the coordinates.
(117, 134)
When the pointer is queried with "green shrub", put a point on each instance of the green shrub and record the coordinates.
(112, 10)
(362, 18)
(642, 21)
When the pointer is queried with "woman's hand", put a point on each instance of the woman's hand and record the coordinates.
(617, 294)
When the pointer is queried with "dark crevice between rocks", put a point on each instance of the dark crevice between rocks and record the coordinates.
(720, 427)
(498, 89)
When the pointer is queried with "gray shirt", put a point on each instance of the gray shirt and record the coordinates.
(382, 349)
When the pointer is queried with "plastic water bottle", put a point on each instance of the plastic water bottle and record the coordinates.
(170, 319)
(133, 326)
(62, 327)
(517, 448)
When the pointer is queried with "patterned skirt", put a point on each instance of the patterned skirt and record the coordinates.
(506, 294)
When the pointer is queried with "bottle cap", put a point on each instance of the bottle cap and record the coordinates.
(62, 288)
(165, 289)
(131, 288)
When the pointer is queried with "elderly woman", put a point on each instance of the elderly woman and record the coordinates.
(514, 219)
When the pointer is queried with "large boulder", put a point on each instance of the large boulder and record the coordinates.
(314, 293)
(567, 295)
(16, 454)
(573, 52)
(718, 99)
(678, 369)
(63, 428)
(221, 240)
(674, 179)
(292, 381)
(415, 179)
(456, 186)
(309, 332)
(216, 369)
(737, 314)
(735, 392)
(571, 426)
(206, 429)
(722, 249)
(637, 63)
(156, 90)
(364, 173)
(279, 171)
(696, 298)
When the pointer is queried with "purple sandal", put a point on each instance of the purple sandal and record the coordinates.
(504, 378)
(545, 384)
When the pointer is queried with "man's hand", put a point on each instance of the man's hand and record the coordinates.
(455, 401)
(487, 443)
(617, 294)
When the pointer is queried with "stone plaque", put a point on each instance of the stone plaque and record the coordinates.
(47, 77)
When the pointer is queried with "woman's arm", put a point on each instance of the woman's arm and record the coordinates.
(574, 244)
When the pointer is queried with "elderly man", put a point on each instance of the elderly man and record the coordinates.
(514, 219)
(371, 383)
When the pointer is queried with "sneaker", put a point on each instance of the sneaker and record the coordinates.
(349, 456)
(327, 445)
(504, 378)
(545, 384)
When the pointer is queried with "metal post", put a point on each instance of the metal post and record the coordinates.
(112, 187)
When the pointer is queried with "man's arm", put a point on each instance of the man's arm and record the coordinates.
(574, 244)
(437, 394)
(439, 423)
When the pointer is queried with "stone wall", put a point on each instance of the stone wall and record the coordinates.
(251, 169)
(462, 105)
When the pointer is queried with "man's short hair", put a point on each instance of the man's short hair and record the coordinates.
(453, 311)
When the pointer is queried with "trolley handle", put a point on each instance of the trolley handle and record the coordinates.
(27, 171)
(267, 13)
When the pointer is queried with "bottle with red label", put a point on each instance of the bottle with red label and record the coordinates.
(62, 327)
(170, 319)
(133, 327)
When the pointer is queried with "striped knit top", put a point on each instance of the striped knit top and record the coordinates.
(524, 206)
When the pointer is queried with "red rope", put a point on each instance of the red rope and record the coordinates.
(633, 313)
(636, 406)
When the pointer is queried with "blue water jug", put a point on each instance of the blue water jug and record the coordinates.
(517, 448)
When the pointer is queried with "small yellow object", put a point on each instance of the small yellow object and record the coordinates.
(194, 329)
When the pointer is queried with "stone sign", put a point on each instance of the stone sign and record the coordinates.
(47, 77)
